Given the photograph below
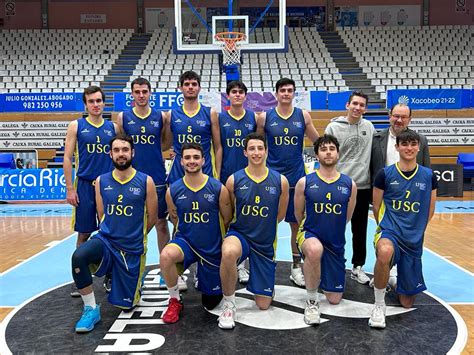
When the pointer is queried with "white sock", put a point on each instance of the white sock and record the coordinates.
(230, 300)
(89, 300)
(379, 296)
(312, 295)
(174, 292)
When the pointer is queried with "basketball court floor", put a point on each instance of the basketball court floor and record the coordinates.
(39, 315)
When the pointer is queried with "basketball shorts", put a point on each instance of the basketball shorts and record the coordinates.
(127, 274)
(162, 206)
(262, 268)
(409, 267)
(84, 216)
(333, 269)
(207, 267)
(290, 211)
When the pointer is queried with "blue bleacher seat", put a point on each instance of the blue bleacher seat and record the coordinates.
(7, 161)
(467, 160)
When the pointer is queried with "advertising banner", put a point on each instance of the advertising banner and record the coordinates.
(430, 99)
(394, 15)
(264, 101)
(450, 179)
(41, 102)
(337, 100)
(32, 184)
(165, 100)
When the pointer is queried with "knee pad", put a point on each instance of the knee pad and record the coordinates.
(210, 301)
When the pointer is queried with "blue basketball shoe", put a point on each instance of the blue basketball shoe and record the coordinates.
(90, 317)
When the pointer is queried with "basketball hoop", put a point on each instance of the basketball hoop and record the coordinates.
(230, 43)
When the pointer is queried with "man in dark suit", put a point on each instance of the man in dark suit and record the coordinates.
(383, 143)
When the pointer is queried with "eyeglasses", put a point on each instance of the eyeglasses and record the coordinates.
(402, 117)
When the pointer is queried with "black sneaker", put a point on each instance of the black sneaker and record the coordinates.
(107, 283)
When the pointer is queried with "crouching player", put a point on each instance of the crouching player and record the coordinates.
(127, 207)
(199, 206)
(404, 199)
(324, 203)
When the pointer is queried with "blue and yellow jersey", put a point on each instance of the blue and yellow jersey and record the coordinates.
(233, 132)
(256, 209)
(191, 129)
(124, 222)
(285, 136)
(93, 148)
(326, 209)
(405, 207)
(146, 134)
(199, 220)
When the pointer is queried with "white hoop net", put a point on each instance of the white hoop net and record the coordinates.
(230, 43)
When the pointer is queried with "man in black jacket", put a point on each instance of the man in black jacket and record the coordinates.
(383, 143)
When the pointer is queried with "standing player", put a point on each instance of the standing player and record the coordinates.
(199, 207)
(260, 197)
(404, 200)
(145, 125)
(354, 134)
(88, 140)
(324, 202)
(194, 123)
(285, 127)
(126, 204)
(235, 125)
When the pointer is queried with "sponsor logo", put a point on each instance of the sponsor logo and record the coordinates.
(85, 130)
(209, 197)
(271, 189)
(403, 100)
(245, 187)
(344, 190)
(131, 122)
(395, 183)
(182, 197)
(298, 124)
(339, 287)
(314, 186)
(178, 121)
(274, 124)
(226, 125)
(421, 185)
(108, 188)
(135, 190)
(268, 289)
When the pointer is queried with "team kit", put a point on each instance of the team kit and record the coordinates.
(234, 177)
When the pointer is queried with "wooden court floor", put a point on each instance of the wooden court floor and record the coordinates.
(450, 235)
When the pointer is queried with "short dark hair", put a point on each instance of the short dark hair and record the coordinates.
(257, 136)
(283, 82)
(189, 75)
(408, 136)
(236, 84)
(196, 146)
(400, 105)
(360, 94)
(122, 137)
(92, 90)
(140, 81)
(325, 139)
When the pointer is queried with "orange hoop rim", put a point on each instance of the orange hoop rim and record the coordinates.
(230, 39)
(233, 37)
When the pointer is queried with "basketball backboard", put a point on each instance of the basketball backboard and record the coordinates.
(196, 23)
